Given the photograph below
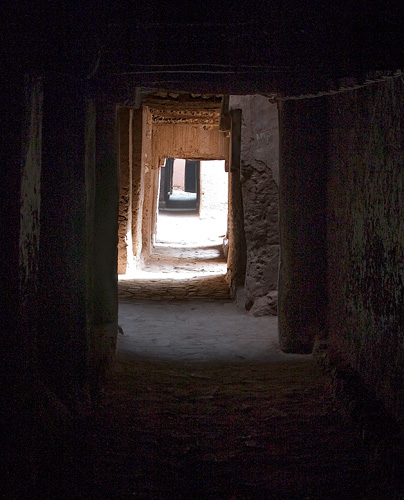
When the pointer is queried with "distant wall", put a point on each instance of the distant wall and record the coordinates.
(214, 191)
(179, 174)
(366, 236)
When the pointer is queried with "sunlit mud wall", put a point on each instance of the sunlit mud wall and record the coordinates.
(214, 194)
(131, 193)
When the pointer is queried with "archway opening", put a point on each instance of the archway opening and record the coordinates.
(191, 235)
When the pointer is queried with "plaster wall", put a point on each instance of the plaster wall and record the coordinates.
(259, 173)
(179, 174)
(366, 237)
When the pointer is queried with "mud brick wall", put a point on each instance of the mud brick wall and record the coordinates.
(366, 236)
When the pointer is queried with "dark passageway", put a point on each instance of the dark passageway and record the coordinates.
(266, 364)
(202, 404)
(244, 430)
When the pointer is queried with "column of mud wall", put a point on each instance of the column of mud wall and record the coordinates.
(237, 253)
(149, 179)
(131, 189)
(137, 185)
(29, 230)
(63, 342)
(365, 242)
(155, 183)
(22, 395)
(56, 280)
(258, 175)
(303, 202)
(105, 257)
(60, 381)
(125, 195)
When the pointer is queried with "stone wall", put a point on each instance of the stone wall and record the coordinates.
(259, 174)
(366, 237)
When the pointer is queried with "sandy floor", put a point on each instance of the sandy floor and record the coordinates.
(197, 331)
(225, 431)
(202, 404)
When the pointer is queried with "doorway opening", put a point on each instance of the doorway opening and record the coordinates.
(191, 227)
(193, 203)
(179, 185)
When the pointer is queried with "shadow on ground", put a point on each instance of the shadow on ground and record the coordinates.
(224, 431)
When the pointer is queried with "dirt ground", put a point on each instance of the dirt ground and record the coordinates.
(225, 431)
(252, 425)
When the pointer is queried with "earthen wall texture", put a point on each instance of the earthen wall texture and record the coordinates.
(302, 209)
(237, 255)
(125, 179)
(188, 141)
(30, 192)
(259, 178)
(137, 184)
(106, 211)
(146, 211)
(366, 237)
(62, 342)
